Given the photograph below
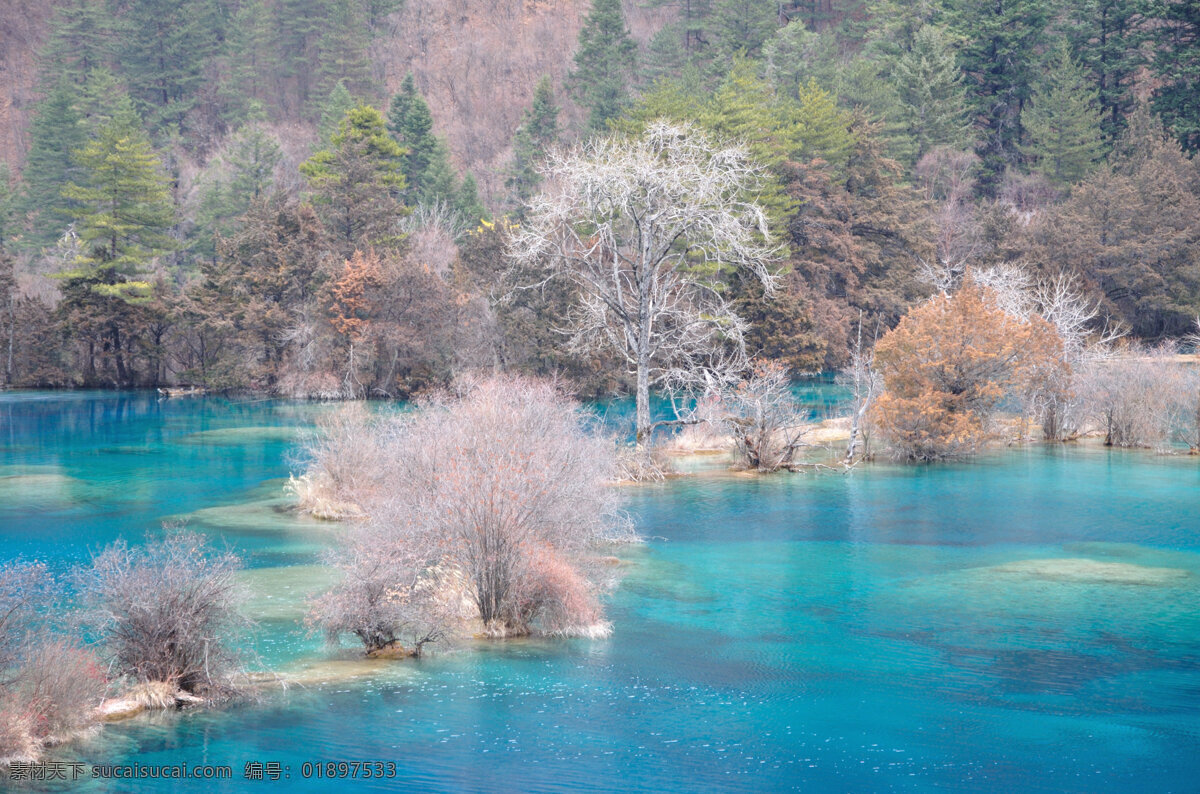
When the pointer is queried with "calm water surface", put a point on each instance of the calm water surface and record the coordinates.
(896, 629)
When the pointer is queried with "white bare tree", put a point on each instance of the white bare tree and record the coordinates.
(646, 226)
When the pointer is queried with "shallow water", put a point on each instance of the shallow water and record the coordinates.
(1028, 622)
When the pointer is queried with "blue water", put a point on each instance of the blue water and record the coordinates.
(894, 629)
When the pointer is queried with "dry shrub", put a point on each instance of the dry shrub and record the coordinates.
(1144, 398)
(642, 463)
(483, 500)
(345, 463)
(62, 684)
(948, 367)
(166, 611)
(17, 728)
(761, 414)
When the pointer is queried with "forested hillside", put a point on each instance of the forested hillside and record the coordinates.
(316, 197)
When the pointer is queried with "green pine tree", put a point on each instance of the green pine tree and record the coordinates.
(604, 64)
(299, 25)
(429, 177)
(533, 139)
(342, 49)
(357, 182)
(743, 26)
(339, 102)
(933, 101)
(467, 203)
(163, 51)
(1001, 42)
(794, 55)
(252, 60)
(57, 130)
(1062, 122)
(1105, 36)
(80, 40)
(123, 216)
(242, 174)
(1176, 64)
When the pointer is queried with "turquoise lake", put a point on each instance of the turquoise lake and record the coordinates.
(1027, 622)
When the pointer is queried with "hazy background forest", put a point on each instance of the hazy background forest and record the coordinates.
(314, 197)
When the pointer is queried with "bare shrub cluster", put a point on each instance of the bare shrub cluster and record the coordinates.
(344, 463)
(761, 415)
(49, 686)
(490, 506)
(1143, 398)
(166, 611)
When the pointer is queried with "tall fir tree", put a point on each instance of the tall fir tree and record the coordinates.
(1002, 39)
(123, 218)
(342, 49)
(163, 52)
(933, 100)
(533, 139)
(252, 58)
(605, 64)
(339, 102)
(299, 25)
(357, 183)
(1105, 36)
(1062, 121)
(411, 124)
(467, 203)
(240, 175)
(81, 39)
(56, 132)
(743, 26)
(1176, 65)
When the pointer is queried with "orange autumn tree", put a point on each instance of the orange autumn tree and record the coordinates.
(948, 367)
(350, 309)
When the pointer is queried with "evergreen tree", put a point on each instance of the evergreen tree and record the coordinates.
(743, 26)
(163, 51)
(537, 133)
(794, 55)
(665, 56)
(1176, 64)
(823, 127)
(56, 131)
(252, 59)
(1063, 122)
(439, 182)
(342, 49)
(680, 43)
(934, 108)
(299, 25)
(336, 106)
(1105, 35)
(242, 174)
(1002, 39)
(411, 124)
(604, 64)
(467, 203)
(81, 39)
(357, 182)
(123, 216)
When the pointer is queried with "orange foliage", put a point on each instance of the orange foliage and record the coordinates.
(351, 308)
(949, 365)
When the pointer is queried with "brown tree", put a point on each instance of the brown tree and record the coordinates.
(949, 365)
